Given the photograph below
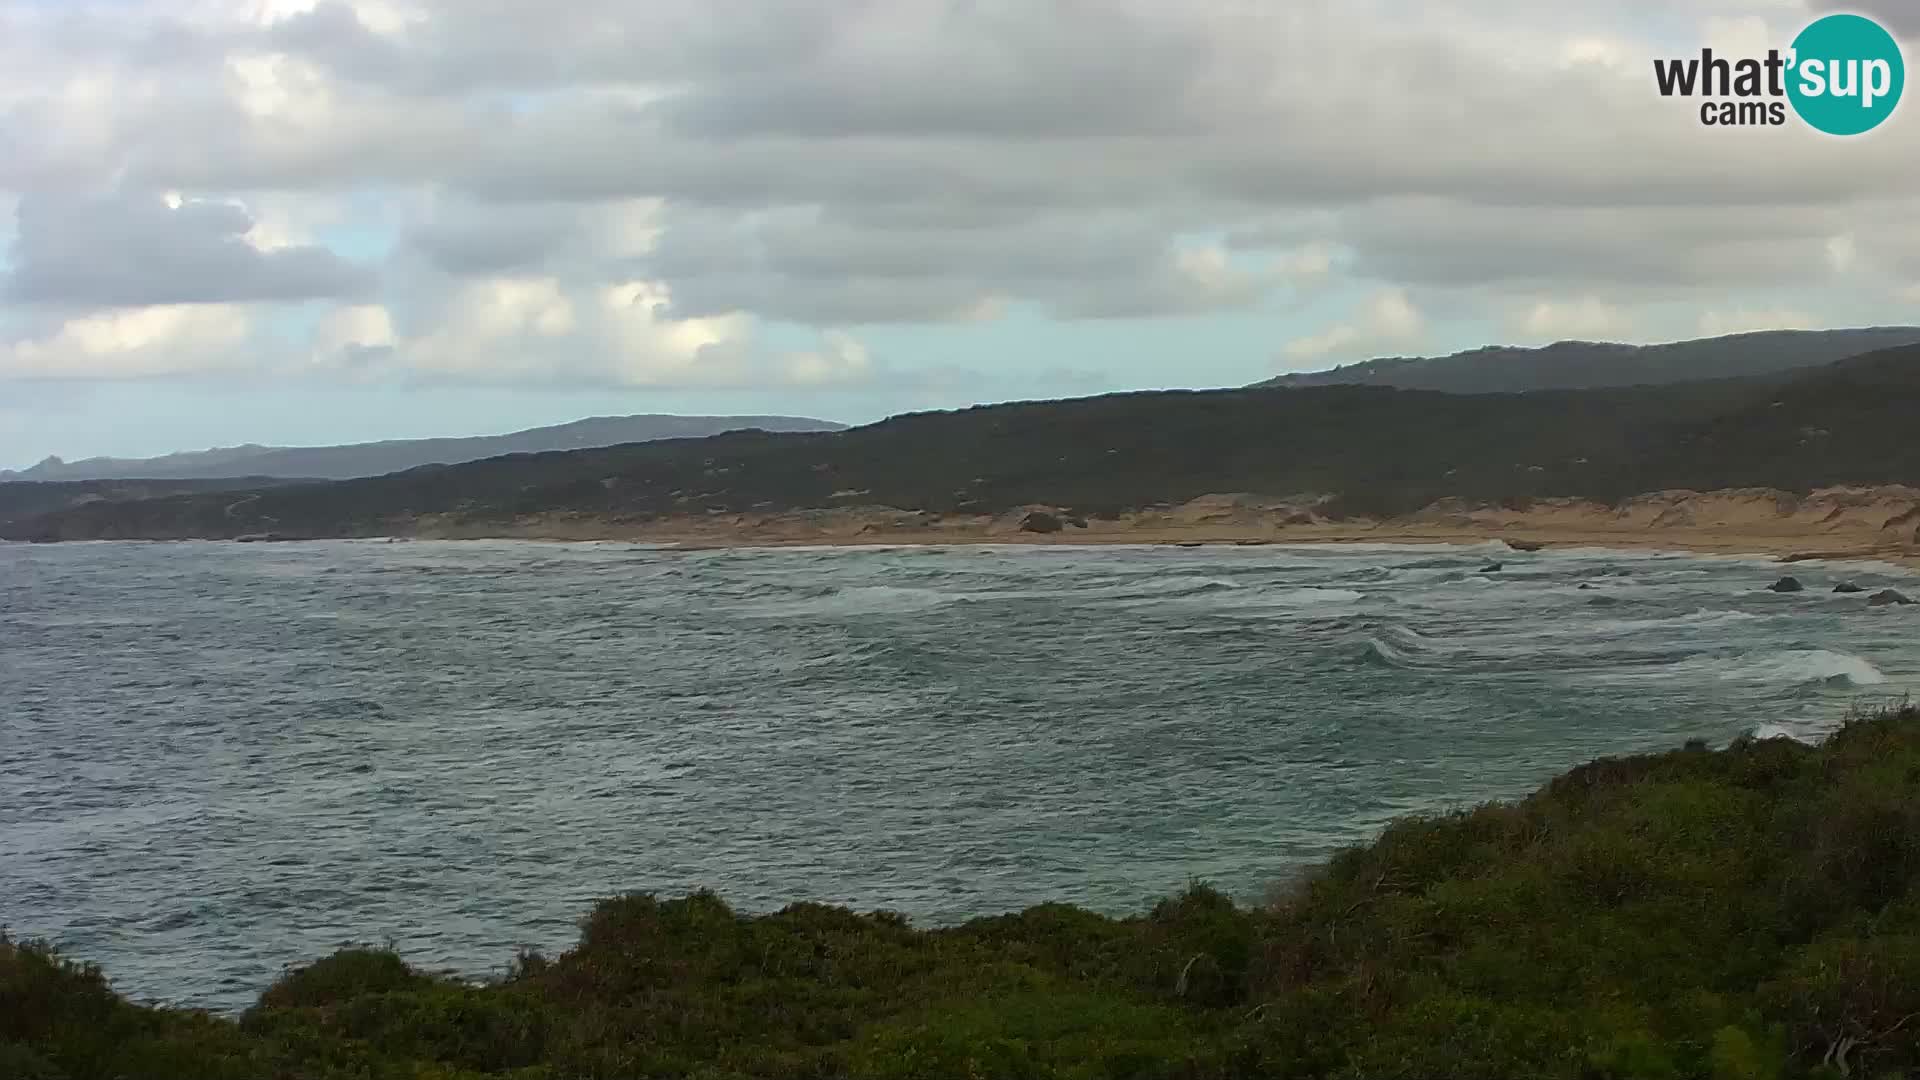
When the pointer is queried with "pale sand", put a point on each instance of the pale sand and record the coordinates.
(1881, 524)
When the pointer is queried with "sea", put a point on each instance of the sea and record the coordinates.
(218, 760)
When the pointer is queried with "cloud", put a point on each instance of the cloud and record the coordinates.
(542, 330)
(135, 343)
(468, 239)
(1622, 249)
(1900, 17)
(1740, 321)
(354, 337)
(1387, 321)
(841, 358)
(633, 193)
(1586, 319)
(140, 251)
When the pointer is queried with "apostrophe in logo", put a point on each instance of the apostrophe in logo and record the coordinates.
(1843, 75)
(1847, 74)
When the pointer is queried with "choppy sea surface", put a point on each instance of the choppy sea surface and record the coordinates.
(216, 759)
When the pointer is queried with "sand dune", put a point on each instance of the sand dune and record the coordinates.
(1839, 522)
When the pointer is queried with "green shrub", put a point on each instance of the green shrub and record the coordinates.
(1745, 914)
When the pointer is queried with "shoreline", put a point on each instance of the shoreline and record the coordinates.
(1877, 524)
(1784, 547)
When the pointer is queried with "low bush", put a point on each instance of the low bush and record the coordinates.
(1750, 913)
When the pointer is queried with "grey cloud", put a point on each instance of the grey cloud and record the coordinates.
(467, 46)
(491, 245)
(850, 301)
(843, 270)
(1069, 69)
(1442, 242)
(1069, 104)
(844, 161)
(128, 250)
(1900, 17)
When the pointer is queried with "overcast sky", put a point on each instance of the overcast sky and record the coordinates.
(297, 222)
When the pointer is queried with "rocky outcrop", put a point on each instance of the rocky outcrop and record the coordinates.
(1888, 598)
(1039, 521)
(1788, 584)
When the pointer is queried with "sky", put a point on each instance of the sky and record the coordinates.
(304, 222)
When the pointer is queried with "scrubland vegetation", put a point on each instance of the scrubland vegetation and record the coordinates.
(1736, 914)
(1373, 450)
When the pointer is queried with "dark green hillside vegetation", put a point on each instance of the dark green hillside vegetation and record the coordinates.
(21, 500)
(1380, 451)
(1827, 426)
(1746, 913)
(1572, 365)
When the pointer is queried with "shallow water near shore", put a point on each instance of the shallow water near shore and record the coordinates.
(220, 759)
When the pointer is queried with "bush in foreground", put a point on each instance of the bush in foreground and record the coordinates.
(1743, 914)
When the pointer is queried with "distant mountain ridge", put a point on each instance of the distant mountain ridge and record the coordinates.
(1582, 365)
(1370, 452)
(378, 458)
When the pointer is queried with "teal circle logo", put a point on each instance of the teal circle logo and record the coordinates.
(1846, 74)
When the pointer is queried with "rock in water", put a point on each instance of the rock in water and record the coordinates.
(1886, 597)
(1040, 521)
(1492, 568)
(1787, 584)
(1848, 587)
(1525, 545)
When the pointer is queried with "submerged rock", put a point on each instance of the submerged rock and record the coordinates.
(1492, 568)
(1886, 597)
(1787, 584)
(1847, 587)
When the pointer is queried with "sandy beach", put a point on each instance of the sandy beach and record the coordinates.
(1880, 523)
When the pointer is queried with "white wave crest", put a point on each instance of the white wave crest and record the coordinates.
(1800, 666)
(1700, 618)
(858, 600)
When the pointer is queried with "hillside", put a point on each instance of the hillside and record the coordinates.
(21, 500)
(375, 458)
(1573, 365)
(1742, 913)
(1371, 450)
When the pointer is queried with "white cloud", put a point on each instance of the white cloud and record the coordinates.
(1842, 252)
(625, 192)
(1386, 321)
(350, 336)
(502, 327)
(841, 358)
(134, 343)
(1307, 265)
(624, 334)
(1744, 320)
(1588, 318)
